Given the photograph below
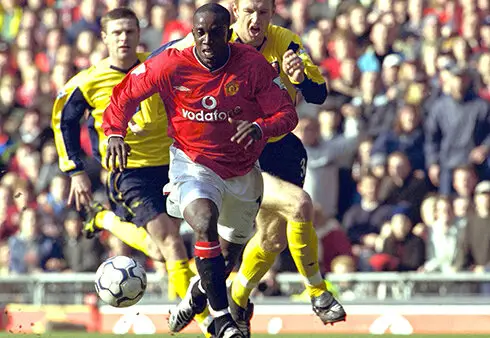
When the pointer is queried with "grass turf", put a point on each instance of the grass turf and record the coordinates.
(95, 335)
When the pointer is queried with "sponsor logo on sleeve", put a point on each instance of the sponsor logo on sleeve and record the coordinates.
(279, 82)
(139, 70)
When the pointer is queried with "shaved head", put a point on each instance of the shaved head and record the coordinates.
(222, 16)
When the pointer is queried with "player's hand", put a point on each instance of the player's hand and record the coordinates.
(80, 190)
(293, 66)
(117, 150)
(245, 129)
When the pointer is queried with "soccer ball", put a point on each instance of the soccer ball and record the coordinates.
(120, 281)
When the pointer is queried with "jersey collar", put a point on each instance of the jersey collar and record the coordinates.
(125, 71)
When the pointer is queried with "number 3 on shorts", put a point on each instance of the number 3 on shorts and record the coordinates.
(303, 167)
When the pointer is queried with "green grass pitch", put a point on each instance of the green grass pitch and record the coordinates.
(95, 335)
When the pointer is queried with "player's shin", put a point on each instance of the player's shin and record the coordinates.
(210, 264)
(303, 245)
(255, 264)
(179, 275)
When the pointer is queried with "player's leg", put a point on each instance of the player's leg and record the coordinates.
(196, 193)
(294, 204)
(284, 196)
(97, 218)
(235, 231)
(238, 230)
(259, 255)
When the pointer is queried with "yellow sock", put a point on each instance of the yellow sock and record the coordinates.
(255, 264)
(303, 245)
(134, 236)
(179, 275)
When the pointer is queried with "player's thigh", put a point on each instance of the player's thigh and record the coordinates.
(241, 203)
(189, 182)
(271, 230)
(284, 167)
(285, 199)
(140, 194)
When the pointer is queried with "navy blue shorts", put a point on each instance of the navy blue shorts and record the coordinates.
(136, 195)
(285, 159)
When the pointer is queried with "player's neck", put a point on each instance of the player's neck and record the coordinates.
(220, 61)
(124, 65)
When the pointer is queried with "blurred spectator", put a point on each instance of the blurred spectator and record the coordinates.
(345, 86)
(179, 27)
(332, 238)
(363, 221)
(4, 259)
(10, 19)
(443, 240)
(322, 169)
(31, 250)
(401, 249)
(376, 108)
(362, 162)
(464, 180)
(81, 254)
(55, 201)
(152, 35)
(457, 132)
(88, 21)
(463, 207)
(474, 253)
(484, 72)
(49, 169)
(8, 226)
(31, 131)
(403, 185)
(341, 265)
(407, 136)
(427, 214)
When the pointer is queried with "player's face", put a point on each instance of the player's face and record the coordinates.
(211, 38)
(252, 19)
(121, 38)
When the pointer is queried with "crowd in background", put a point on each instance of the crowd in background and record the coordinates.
(398, 162)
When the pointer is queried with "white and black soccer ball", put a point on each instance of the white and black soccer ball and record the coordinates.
(120, 281)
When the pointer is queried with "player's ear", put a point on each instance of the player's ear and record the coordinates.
(234, 9)
(103, 35)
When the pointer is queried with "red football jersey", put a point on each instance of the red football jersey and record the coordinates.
(199, 102)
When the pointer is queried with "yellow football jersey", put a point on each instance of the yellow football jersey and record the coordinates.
(90, 91)
(278, 41)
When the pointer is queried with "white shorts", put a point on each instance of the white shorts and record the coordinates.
(238, 199)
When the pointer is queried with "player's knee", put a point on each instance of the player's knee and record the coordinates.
(203, 218)
(273, 242)
(302, 207)
(154, 252)
(163, 227)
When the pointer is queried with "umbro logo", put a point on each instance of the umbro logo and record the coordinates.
(182, 89)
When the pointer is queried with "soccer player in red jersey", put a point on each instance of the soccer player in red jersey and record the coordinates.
(223, 102)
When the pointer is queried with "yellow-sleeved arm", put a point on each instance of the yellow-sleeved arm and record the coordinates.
(313, 88)
(68, 109)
